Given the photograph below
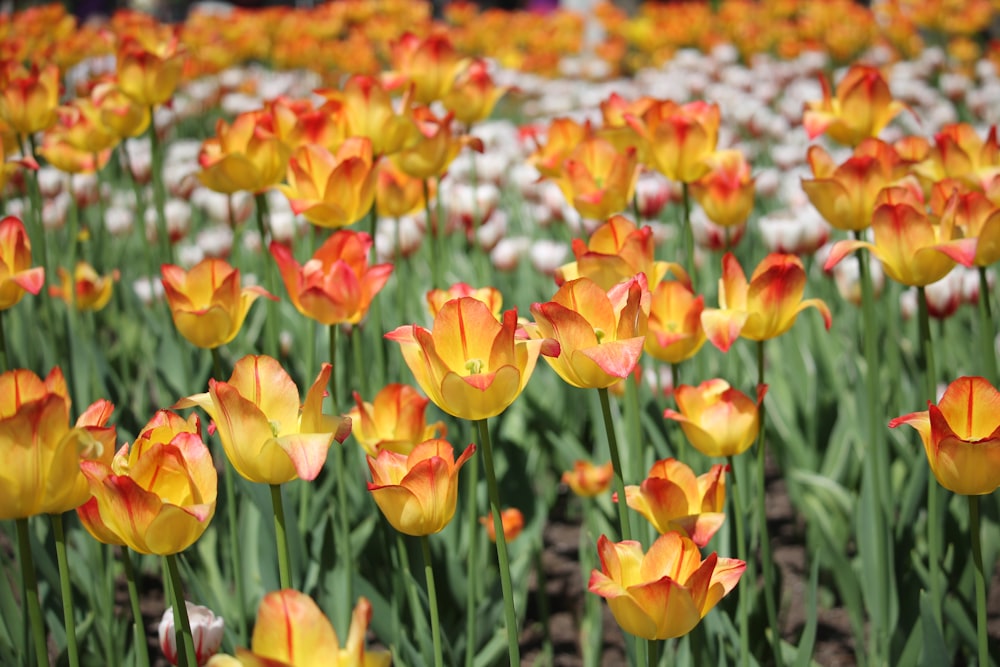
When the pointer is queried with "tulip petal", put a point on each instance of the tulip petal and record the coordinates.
(292, 629)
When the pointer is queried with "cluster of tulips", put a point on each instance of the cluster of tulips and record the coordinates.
(374, 146)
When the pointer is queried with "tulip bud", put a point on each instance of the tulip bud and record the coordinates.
(206, 629)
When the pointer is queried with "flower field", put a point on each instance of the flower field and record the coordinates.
(501, 338)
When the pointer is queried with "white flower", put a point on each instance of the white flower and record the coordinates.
(206, 630)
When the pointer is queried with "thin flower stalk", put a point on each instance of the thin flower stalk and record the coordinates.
(30, 581)
(741, 553)
(986, 326)
(271, 321)
(425, 547)
(59, 532)
(281, 537)
(138, 627)
(616, 462)
(471, 563)
(765, 539)
(982, 639)
(184, 636)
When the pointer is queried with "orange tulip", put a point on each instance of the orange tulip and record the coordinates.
(291, 631)
(80, 125)
(717, 420)
(563, 136)
(119, 114)
(417, 492)
(979, 220)
(471, 365)
(158, 496)
(763, 308)
(10, 167)
(28, 99)
(726, 192)
(395, 420)
(598, 179)
(960, 153)
(862, 106)
(511, 522)
(336, 285)
(588, 480)
(961, 436)
(616, 251)
(297, 123)
(244, 156)
(41, 451)
(207, 304)
(600, 333)
(396, 192)
(674, 331)
(16, 274)
(437, 145)
(85, 289)
(663, 593)
(150, 63)
(264, 433)
(332, 190)
(678, 138)
(430, 64)
(672, 498)
(368, 111)
(473, 95)
(491, 296)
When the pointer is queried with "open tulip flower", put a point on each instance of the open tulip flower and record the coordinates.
(207, 304)
(961, 435)
(861, 107)
(616, 251)
(368, 111)
(16, 273)
(960, 153)
(41, 451)
(718, 420)
(491, 296)
(474, 94)
(430, 64)
(332, 190)
(562, 137)
(336, 285)
(678, 138)
(665, 592)
(150, 62)
(726, 192)
(264, 433)
(674, 331)
(976, 216)
(157, 496)
(588, 480)
(85, 289)
(672, 498)
(763, 308)
(436, 146)
(396, 192)
(417, 492)
(395, 420)
(597, 179)
(291, 631)
(600, 333)
(245, 156)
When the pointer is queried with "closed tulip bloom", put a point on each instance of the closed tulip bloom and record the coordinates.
(491, 296)
(960, 153)
(29, 98)
(961, 436)
(396, 192)
(245, 156)
(597, 179)
(270, 437)
(368, 111)
(332, 190)
(417, 492)
(474, 94)
(672, 498)
(41, 450)
(677, 138)
(207, 303)
(85, 289)
(291, 631)
(718, 420)
(861, 107)
(336, 285)
(157, 496)
(16, 273)
(674, 332)
(600, 333)
(763, 308)
(119, 114)
(471, 365)
(436, 146)
(588, 480)
(430, 64)
(395, 420)
(663, 593)
(726, 192)
(976, 216)
(616, 251)
(150, 64)
(562, 137)
(511, 522)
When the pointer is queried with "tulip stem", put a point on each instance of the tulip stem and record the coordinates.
(360, 383)
(413, 599)
(688, 232)
(138, 626)
(430, 236)
(741, 553)
(31, 592)
(334, 369)
(271, 321)
(281, 537)
(183, 625)
(140, 225)
(765, 538)
(616, 463)
(4, 363)
(986, 324)
(513, 650)
(159, 193)
(65, 588)
(343, 528)
(425, 546)
(982, 640)
(653, 651)
(472, 578)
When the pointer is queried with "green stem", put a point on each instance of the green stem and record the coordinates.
(635, 208)
(35, 197)
(271, 323)
(425, 547)
(160, 193)
(4, 361)
(333, 371)
(138, 626)
(741, 553)
(513, 650)
(986, 326)
(31, 592)
(430, 236)
(616, 463)
(765, 538)
(590, 642)
(688, 232)
(471, 563)
(360, 377)
(281, 537)
(181, 622)
(653, 651)
(982, 640)
(343, 527)
(59, 532)
(633, 424)
(413, 600)
(933, 493)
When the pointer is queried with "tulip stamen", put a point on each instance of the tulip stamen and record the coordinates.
(275, 427)
(474, 366)
(600, 333)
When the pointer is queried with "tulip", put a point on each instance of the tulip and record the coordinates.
(959, 153)
(246, 155)
(672, 498)
(511, 521)
(763, 308)
(207, 304)
(678, 138)
(430, 64)
(158, 496)
(149, 64)
(297, 123)
(336, 285)
(265, 435)
(85, 290)
(600, 334)
(861, 107)
(674, 330)
(979, 220)
(395, 420)
(598, 179)
(663, 593)
(563, 136)
(293, 632)
(473, 95)
(418, 492)
(368, 111)
(588, 480)
(435, 148)
(206, 627)
(726, 192)
(491, 296)
(42, 452)
(718, 420)
(119, 114)
(16, 274)
(961, 436)
(332, 190)
(471, 365)
(397, 193)
(616, 251)
(28, 99)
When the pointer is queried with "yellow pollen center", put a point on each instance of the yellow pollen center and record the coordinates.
(474, 366)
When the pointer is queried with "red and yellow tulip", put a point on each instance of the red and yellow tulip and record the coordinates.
(588, 480)
(677, 138)
(332, 190)
(17, 276)
(718, 420)
(674, 331)
(85, 289)
(616, 251)
(395, 420)
(245, 156)
(860, 108)
(491, 296)
(726, 192)
(597, 179)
